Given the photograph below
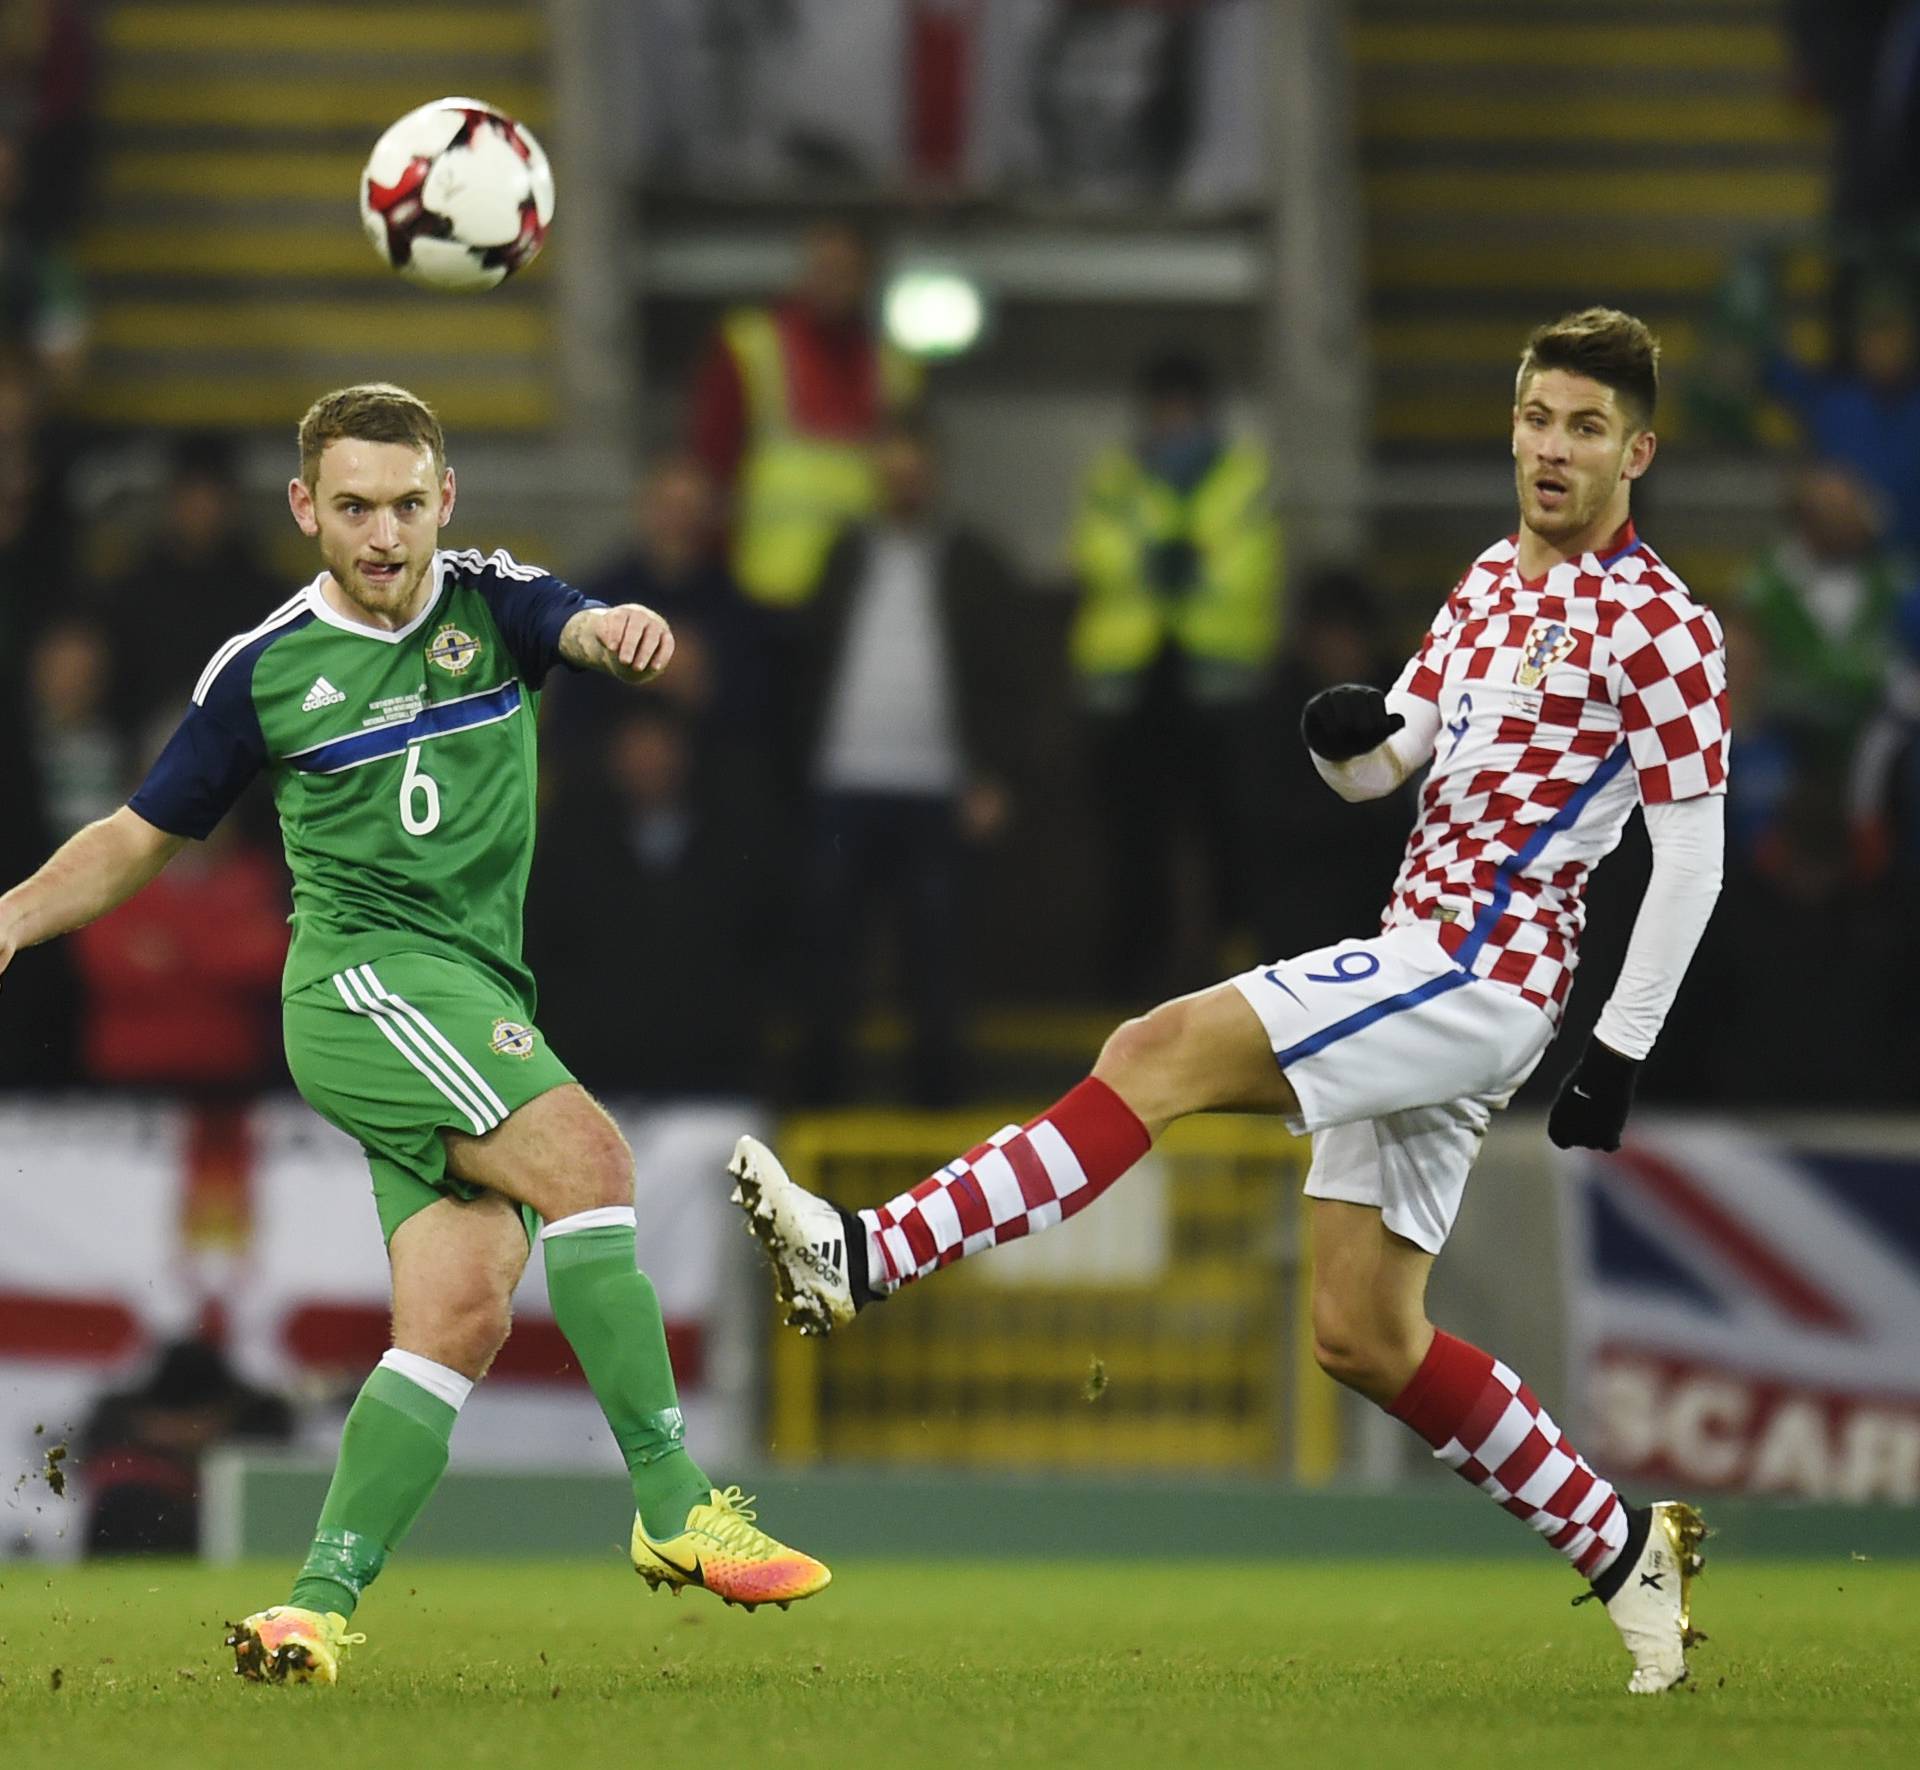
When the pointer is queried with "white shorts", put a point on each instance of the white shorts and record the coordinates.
(1399, 1059)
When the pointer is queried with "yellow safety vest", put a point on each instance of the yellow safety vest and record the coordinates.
(1231, 616)
(795, 492)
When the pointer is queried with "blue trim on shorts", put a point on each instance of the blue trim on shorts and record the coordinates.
(1365, 1017)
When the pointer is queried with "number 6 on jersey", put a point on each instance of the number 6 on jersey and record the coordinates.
(416, 781)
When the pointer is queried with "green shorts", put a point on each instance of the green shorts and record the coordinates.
(396, 1050)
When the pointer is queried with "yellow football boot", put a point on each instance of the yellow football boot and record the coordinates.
(721, 1549)
(286, 1645)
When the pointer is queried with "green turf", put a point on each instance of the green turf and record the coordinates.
(1268, 1663)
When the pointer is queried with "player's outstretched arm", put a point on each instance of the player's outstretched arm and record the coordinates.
(1364, 742)
(1688, 837)
(629, 643)
(94, 871)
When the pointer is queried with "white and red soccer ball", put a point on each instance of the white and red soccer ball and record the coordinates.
(457, 195)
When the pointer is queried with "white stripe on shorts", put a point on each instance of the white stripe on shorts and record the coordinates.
(480, 1084)
(404, 1040)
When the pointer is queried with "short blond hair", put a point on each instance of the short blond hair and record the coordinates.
(1605, 345)
(375, 411)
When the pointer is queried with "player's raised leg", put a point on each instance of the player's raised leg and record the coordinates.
(454, 1264)
(1371, 1333)
(1204, 1052)
(562, 1154)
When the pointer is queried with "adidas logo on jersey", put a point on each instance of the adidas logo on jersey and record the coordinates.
(321, 694)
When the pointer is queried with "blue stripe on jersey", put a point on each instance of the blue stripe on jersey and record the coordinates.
(389, 740)
(1613, 559)
(1563, 819)
(1365, 1017)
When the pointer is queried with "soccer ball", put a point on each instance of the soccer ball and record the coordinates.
(457, 195)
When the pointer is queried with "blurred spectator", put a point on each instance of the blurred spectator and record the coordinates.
(785, 409)
(36, 539)
(80, 755)
(42, 308)
(196, 579)
(635, 919)
(1326, 868)
(140, 1449)
(1860, 60)
(39, 1016)
(1821, 605)
(183, 980)
(911, 734)
(1830, 952)
(1723, 388)
(49, 45)
(673, 565)
(1866, 418)
(1884, 793)
(1178, 557)
(1764, 754)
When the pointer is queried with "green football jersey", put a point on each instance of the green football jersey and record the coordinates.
(403, 763)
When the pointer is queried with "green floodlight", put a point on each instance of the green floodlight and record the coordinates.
(933, 312)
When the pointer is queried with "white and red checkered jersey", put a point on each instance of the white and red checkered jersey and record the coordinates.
(1564, 702)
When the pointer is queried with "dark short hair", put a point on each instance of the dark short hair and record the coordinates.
(911, 424)
(1176, 375)
(1605, 345)
(204, 455)
(375, 411)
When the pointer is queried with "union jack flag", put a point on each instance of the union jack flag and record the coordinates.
(1746, 1311)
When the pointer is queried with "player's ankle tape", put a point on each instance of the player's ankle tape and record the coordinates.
(654, 1436)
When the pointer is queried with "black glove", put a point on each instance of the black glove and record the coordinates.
(1348, 720)
(1591, 1108)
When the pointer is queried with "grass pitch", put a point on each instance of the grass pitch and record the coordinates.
(953, 1664)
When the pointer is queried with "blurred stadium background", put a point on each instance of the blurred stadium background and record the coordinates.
(1097, 248)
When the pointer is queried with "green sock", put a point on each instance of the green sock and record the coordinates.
(607, 1309)
(392, 1455)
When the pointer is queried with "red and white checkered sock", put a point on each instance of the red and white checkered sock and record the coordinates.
(1483, 1421)
(1023, 1178)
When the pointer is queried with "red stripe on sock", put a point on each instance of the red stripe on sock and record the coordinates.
(919, 1237)
(1565, 1534)
(1518, 1469)
(1036, 1185)
(1450, 1379)
(969, 1203)
(1571, 1492)
(883, 1220)
(1102, 1130)
(1486, 1412)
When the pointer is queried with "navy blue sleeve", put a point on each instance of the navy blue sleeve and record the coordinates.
(530, 607)
(212, 757)
(1790, 381)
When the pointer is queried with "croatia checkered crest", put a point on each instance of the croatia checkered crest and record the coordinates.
(457, 195)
